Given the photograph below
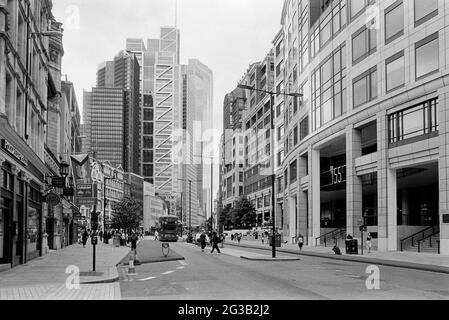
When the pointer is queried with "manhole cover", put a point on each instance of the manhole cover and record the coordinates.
(91, 274)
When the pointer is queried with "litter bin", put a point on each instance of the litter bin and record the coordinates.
(278, 241)
(352, 246)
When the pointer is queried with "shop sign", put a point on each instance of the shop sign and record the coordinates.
(53, 199)
(58, 182)
(13, 151)
(86, 201)
(84, 191)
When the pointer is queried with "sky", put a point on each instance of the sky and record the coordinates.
(226, 35)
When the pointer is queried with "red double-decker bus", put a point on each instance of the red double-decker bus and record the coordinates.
(168, 228)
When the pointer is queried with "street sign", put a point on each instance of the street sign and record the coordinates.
(86, 201)
(53, 199)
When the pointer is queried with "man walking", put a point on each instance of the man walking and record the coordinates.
(215, 240)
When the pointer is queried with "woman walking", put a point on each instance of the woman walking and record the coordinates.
(84, 238)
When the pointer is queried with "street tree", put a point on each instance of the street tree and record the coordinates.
(126, 214)
(225, 218)
(243, 214)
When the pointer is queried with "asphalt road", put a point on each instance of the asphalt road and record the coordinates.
(206, 276)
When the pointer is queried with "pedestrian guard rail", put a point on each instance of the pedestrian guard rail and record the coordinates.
(332, 235)
(419, 236)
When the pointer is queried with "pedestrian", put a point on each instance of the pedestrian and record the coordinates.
(368, 242)
(232, 237)
(262, 237)
(101, 235)
(239, 237)
(203, 241)
(222, 239)
(156, 236)
(108, 236)
(300, 242)
(85, 236)
(134, 238)
(215, 240)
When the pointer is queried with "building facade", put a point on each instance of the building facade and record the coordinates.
(31, 97)
(375, 98)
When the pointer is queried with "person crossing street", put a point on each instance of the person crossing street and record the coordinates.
(215, 240)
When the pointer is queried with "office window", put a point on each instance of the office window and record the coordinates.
(304, 128)
(295, 136)
(364, 87)
(394, 21)
(356, 7)
(395, 71)
(413, 122)
(425, 10)
(427, 56)
(364, 43)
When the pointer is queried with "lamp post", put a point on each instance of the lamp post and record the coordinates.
(273, 158)
(105, 179)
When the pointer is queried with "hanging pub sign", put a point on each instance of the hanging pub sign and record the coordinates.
(8, 147)
(81, 169)
(52, 199)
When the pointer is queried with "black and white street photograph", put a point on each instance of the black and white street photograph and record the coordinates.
(223, 155)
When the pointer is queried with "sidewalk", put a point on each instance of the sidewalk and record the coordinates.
(409, 260)
(45, 277)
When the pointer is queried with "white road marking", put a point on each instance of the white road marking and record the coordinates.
(352, 276)
(182, 262)
(168, 272)
(180, 268)
(149, 278)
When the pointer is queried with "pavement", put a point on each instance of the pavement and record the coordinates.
(410, 260)
(150, 251)
(53, 276)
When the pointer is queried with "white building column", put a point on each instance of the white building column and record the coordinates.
(443, 168)
(354, 197)
(314, 196)
(302, 199)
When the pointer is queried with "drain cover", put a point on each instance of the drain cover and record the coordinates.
(91, 274)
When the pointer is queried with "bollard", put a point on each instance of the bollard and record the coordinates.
(131, 269)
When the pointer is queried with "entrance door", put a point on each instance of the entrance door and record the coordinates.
(50, 229)
(2, 234)
(5, 231)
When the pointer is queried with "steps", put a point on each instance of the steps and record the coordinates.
(4, 267)
(425, 245)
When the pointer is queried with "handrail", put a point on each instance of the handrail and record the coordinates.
(429, 236)
(329, 234)
(414, 235)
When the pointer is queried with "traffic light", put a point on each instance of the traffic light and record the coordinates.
(94, 220)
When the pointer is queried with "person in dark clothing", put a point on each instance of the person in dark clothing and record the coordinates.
(101, 235)
(203, 241)
(239, 237)
(108, 236)
(134, 238)
(85, 237)
(215, 240)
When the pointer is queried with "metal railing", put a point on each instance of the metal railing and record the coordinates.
(430, 241)
(335, 234)
(416, 235)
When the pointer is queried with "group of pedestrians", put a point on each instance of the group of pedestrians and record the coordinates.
(121, 237)
(214, 239)
(236, 237)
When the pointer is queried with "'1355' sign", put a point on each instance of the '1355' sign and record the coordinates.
(338, 174)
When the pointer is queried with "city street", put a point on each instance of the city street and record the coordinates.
(227, 276)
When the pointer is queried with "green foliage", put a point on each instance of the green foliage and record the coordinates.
(241, 216)
(126, 214)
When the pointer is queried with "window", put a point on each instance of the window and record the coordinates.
(395, 71)
(413, 122)
(394, 21)
(364, 43)
(356, 7)
(304, 128)
(364, 87)
(293, 171)
(295, 136)
(427, 56)
(425, 10)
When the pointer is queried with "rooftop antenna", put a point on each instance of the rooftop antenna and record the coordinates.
(176, 13)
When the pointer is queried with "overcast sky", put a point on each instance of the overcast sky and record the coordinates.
(226, 35)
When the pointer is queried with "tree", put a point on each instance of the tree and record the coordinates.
(225, 218)
(243, 215)
(126, 214)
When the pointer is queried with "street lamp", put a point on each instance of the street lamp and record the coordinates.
(273, 176)
(105, 179)
(64, 168)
